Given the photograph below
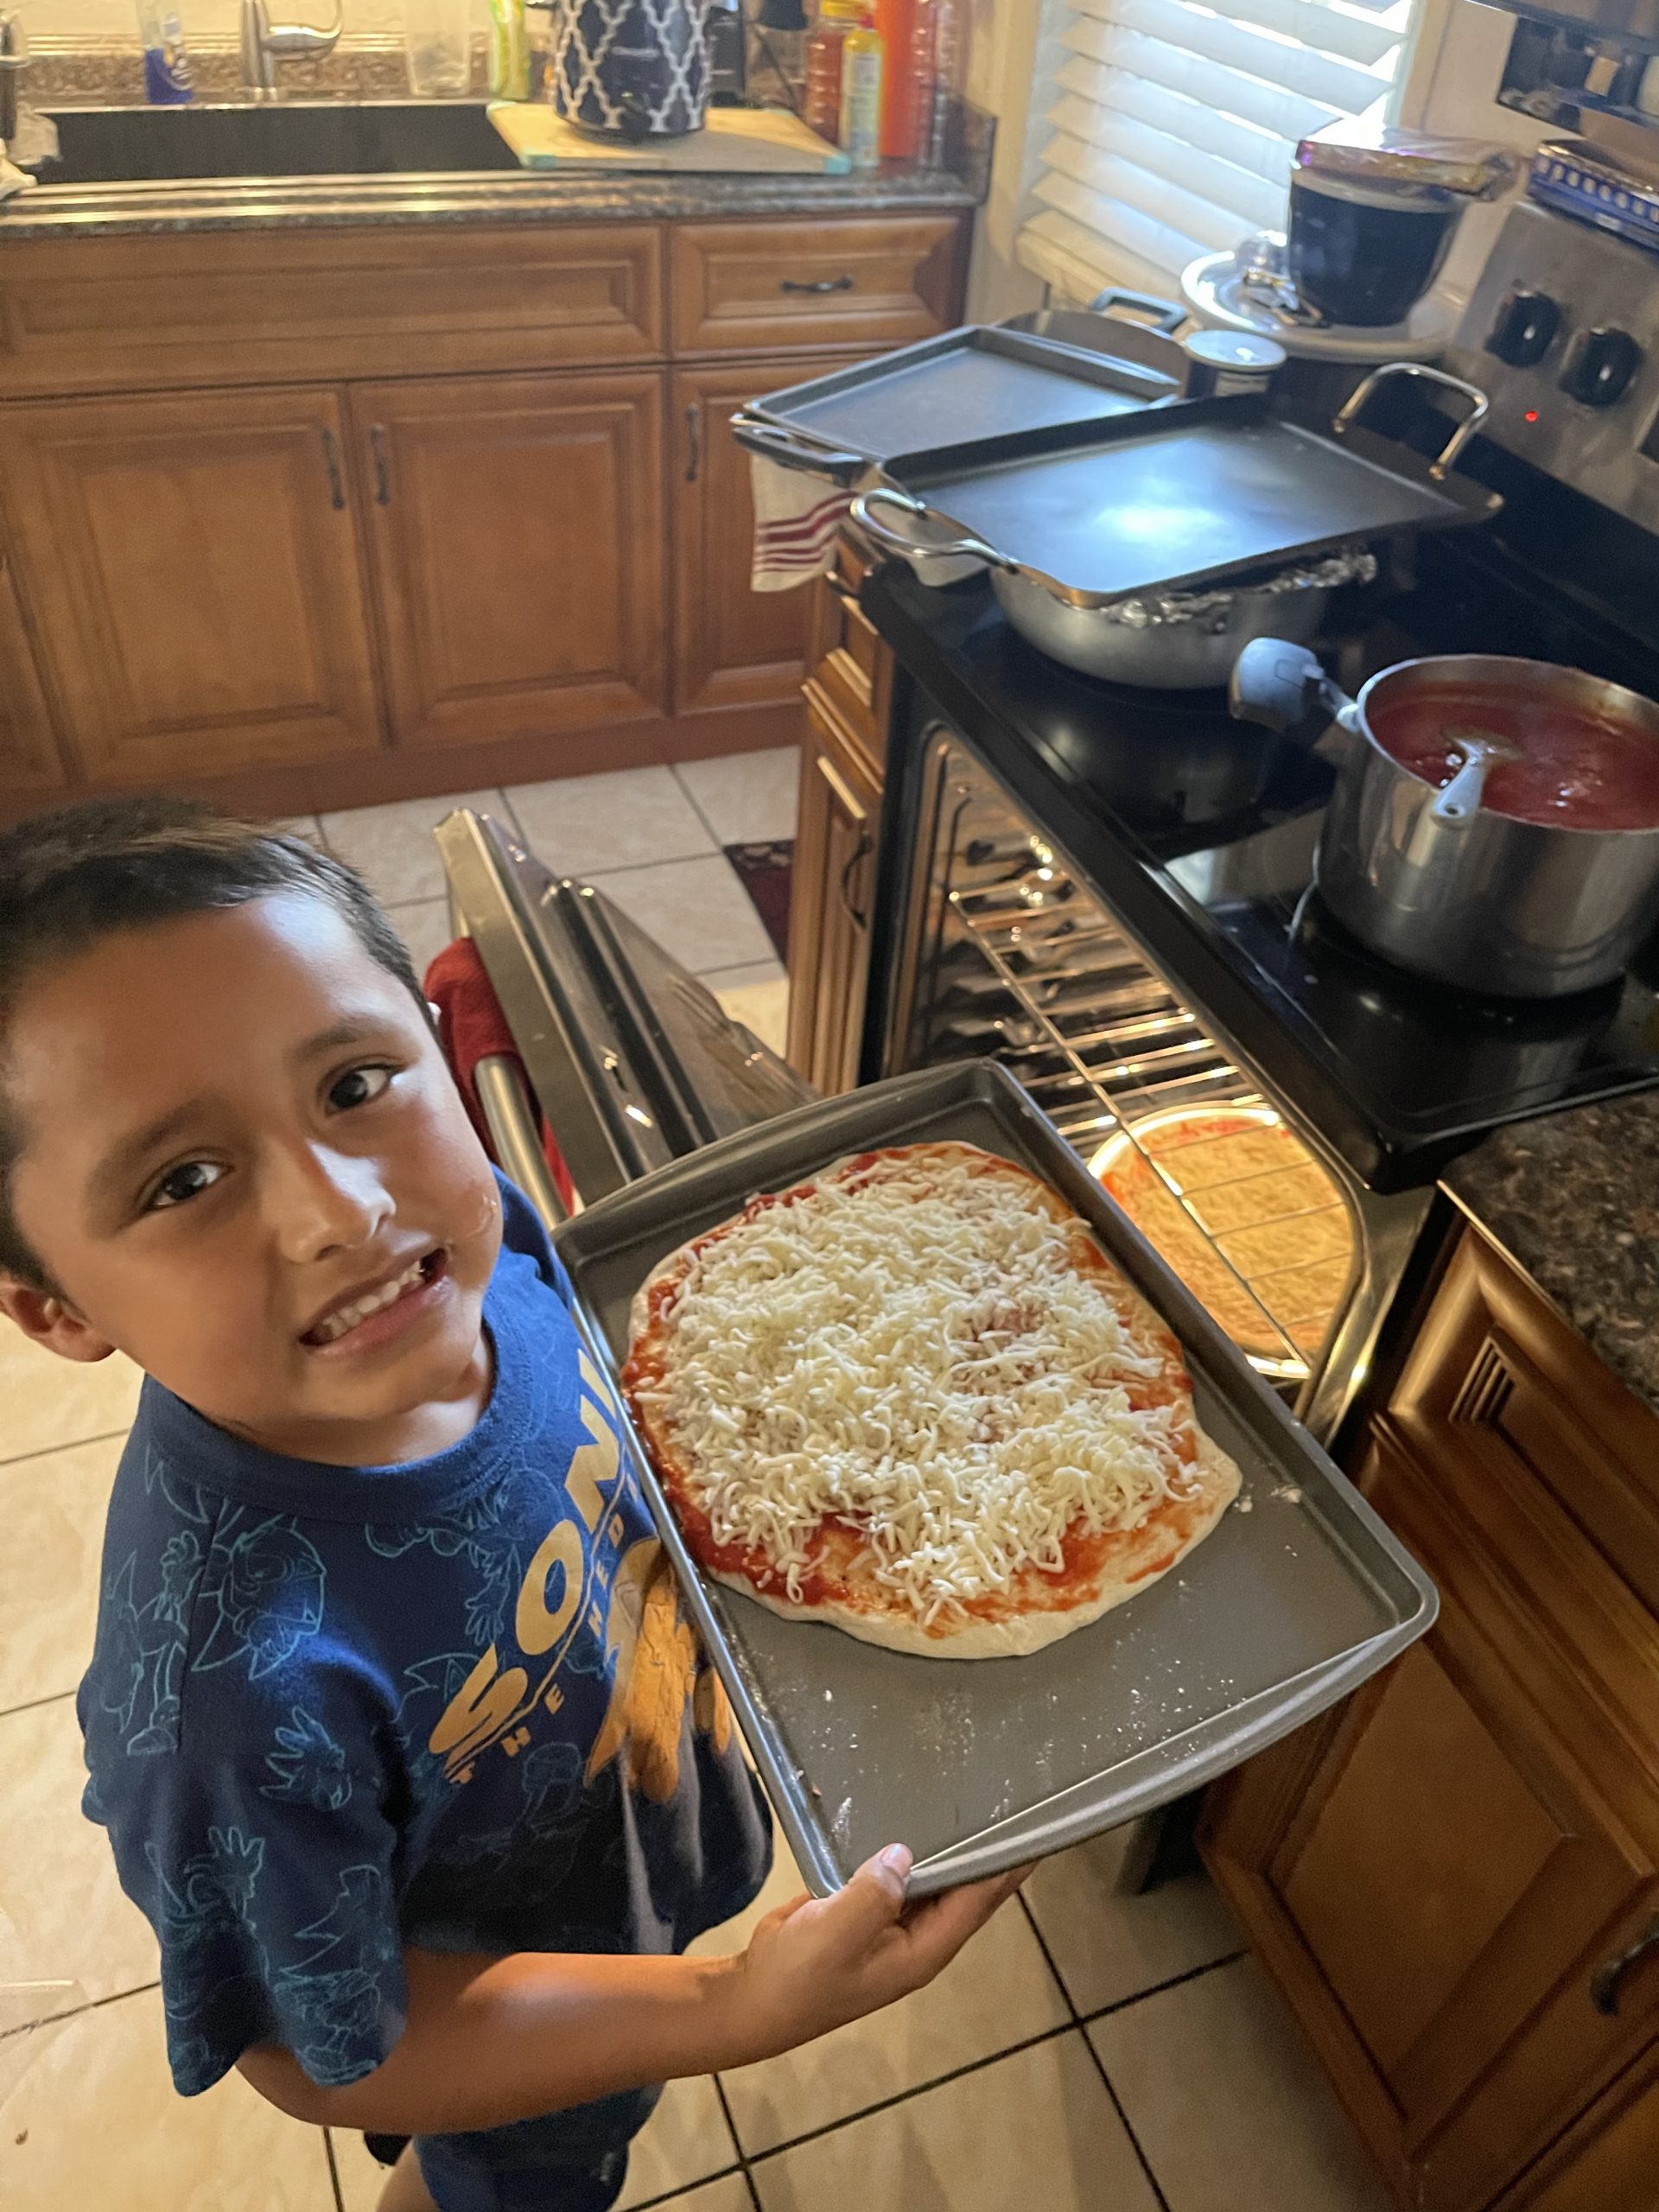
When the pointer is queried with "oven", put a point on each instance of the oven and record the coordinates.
(997, 942)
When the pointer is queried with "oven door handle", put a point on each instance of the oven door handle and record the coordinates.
(510, 1117)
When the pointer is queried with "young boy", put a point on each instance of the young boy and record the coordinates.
(402, 1739)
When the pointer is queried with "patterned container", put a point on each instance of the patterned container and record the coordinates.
(1576, 180)
(631, 69)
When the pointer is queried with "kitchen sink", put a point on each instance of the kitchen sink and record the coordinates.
(121, 145)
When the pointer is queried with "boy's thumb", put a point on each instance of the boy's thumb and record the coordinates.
(875, 1897)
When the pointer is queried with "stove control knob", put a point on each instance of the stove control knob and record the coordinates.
(1599, 368)
(1525, 328)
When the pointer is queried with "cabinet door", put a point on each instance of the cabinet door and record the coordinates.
(517, 525)
(1437, 1875)
(193, 566)
(733, 647)
(829, 915)
(29, 761)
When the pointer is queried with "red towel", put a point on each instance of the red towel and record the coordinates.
(472, 1027)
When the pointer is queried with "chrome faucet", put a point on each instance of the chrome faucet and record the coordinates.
(265, 44)
(13, 59)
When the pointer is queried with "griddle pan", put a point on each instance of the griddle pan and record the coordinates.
(981, 1764)
(979, 382)
(1195, 492)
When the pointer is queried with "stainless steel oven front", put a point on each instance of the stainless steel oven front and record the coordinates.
(997, 944)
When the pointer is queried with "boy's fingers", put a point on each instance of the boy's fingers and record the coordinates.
(873, 1900)
(938, 1929)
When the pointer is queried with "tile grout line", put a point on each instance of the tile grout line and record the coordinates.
(1158, 1989)
(682, 2189)
(918, 2089)
(76, 1444)
(75, 2011)
(34, 1704)
(692, 801)
(333, 2170)
(731, 2123)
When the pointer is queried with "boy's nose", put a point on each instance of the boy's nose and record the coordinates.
(322, 1201)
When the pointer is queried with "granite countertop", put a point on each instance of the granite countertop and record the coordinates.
(1573, 1199)
(503, 196)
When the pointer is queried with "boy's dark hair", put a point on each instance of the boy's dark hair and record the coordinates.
(71, 877)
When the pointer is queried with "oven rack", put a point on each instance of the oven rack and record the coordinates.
(1113, 1056)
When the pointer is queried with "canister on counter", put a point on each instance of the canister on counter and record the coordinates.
(1221, 362)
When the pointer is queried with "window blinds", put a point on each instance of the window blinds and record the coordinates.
(1165, 128)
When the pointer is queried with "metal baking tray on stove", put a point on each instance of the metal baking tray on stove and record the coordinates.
(983, 381)
(980, 1764)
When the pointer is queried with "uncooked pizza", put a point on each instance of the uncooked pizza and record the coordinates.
(912, 1397)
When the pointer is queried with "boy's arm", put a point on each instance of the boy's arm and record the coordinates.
(492, 2040)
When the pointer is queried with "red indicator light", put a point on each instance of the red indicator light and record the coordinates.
(1531, 415)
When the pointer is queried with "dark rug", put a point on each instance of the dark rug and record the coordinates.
(766, 871)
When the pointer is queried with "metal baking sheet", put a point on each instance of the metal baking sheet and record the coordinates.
(978, 1765)
(1199, 490)
(976, 383)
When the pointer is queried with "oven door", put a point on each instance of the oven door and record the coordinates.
(996, 943)
(632, 1059)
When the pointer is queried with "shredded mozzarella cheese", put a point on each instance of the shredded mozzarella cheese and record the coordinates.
(912, 1351)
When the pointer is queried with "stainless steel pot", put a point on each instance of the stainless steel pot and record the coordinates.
(1483, 902)
(1169, 641)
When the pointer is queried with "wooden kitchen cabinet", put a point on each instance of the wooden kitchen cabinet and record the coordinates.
(30, 758)
(866, 282)
(829, 902)
(733, 647)
(517, 525)
(1437, 1874)
(193, 567)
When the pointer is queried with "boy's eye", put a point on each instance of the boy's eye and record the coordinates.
(188, 1180)
(357, 1087)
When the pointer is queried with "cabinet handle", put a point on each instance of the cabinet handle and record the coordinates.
(1606, 1982)
(843, 591)
(382, 466)
(693, 441)
(330, 461)
(823, 285)
(859, 852)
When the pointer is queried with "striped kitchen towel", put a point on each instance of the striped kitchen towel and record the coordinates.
(796, 519)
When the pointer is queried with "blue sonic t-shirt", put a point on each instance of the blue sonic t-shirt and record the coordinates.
(335, 1711)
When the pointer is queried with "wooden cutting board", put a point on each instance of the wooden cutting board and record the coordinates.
(757, 140)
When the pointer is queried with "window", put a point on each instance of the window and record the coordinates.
(1165, 128)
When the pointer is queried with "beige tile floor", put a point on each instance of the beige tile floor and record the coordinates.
(1090, 2052)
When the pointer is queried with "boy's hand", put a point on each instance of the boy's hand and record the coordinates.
(815, 1964)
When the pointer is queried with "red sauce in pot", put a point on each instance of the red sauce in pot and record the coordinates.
(1578, 771)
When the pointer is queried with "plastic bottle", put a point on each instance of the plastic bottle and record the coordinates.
(166, 66)
(509, 51)
(821, 111)
(861, 72)
(936, 70)
(901, 110)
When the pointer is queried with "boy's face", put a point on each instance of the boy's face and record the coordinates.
(245, 1163)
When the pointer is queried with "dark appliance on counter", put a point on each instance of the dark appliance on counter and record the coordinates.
(631, 69)
(1086, 880)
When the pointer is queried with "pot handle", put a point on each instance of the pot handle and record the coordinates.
(1357, 401)
(1163, 314)
(895, 541)
(793, 449)
(1283, 687)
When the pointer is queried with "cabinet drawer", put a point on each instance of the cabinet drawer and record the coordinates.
(880, 281)
(120, 314)
(847, 658)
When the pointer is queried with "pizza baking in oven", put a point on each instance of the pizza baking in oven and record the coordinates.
(912, 1397)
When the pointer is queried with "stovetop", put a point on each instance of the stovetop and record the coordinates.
(1200, 832)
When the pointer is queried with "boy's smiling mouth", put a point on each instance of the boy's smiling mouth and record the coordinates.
(383, 1309)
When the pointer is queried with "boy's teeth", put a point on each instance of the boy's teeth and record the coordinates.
(361, 1308)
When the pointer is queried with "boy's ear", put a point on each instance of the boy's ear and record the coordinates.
(48, 1319)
